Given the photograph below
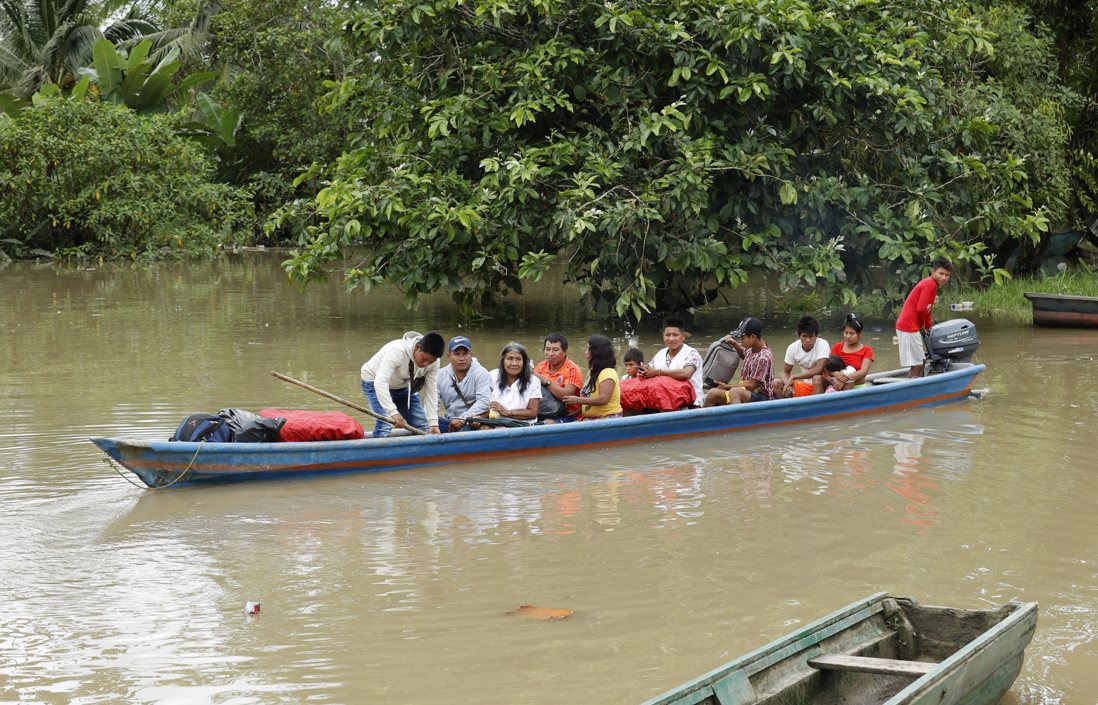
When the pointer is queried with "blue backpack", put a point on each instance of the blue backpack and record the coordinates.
(203, 427)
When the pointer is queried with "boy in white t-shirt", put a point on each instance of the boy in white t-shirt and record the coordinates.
(678, 360)
(810, 353)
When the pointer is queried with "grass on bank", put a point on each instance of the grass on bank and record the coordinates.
(1007, 298)
(1010, 294)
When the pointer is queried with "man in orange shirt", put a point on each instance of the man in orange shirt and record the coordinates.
(560, 377)
(915, 317)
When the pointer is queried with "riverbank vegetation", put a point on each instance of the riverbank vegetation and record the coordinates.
(96, 178)
(1011, 295)
(654, 153)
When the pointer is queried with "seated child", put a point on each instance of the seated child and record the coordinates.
(634, 362)
(834, 365)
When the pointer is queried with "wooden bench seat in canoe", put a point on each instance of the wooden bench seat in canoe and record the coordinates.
(864, 664)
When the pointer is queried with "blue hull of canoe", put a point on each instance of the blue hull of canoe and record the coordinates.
(160, 463)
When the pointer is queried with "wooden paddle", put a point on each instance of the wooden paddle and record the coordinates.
(344, 402)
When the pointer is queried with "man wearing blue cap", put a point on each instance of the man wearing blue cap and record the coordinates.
(464, 386)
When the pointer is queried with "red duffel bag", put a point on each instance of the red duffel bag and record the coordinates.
(303, 425)
(656, 394)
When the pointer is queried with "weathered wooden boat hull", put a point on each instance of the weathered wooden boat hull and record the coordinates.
(1062, 311)
(878, 651)
(162, 463)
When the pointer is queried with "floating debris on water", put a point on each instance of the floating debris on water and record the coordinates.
(542, 613)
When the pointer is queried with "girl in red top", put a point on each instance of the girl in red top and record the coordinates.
(854, 353)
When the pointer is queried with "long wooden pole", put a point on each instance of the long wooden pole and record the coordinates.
(344, 402)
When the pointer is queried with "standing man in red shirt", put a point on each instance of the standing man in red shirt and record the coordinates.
(915, 317)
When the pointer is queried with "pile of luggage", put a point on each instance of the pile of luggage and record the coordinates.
(234, 425)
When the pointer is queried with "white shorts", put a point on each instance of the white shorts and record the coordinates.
(912, 353)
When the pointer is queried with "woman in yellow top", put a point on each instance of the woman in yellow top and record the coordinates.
(601, 396)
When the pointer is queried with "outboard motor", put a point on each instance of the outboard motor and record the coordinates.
(950, 343)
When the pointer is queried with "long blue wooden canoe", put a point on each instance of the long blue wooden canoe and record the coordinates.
(163, 463)
(878, 651)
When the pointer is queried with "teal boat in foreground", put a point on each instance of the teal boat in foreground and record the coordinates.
(878, 651)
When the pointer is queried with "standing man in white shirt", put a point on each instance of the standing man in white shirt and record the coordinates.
(394, 377)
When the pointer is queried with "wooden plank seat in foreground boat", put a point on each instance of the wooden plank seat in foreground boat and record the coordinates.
(882, 650)
(864, 664)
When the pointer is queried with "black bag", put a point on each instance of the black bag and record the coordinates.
(203, 427)
(251, 428)
(549, 407)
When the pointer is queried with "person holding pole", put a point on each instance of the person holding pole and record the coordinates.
(396, 375)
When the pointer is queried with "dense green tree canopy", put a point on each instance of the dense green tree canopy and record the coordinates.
(278, 57)
(663, 149)
(1073, 25)
(98, 178)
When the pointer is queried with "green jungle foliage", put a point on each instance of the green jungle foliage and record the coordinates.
(1073, 25)
(49, 41)
(279, 56)
(96, 178)
(141, 84)
(663, 150)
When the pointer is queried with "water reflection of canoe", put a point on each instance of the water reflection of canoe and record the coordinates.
(880, 650)
(1064, 311)
(162, 463)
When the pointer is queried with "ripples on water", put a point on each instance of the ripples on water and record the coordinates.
(394, 588)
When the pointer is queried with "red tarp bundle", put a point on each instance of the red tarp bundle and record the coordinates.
(656, 394)
(302, 425)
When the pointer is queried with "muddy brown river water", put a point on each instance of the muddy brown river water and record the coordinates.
(394, 587)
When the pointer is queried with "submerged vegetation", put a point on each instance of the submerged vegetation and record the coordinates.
(652, 153)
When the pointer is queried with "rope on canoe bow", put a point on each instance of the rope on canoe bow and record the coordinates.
(110, 461)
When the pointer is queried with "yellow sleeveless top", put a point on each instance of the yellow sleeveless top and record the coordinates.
(611, 407)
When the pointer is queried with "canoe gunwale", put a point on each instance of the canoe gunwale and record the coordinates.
(766, 656)
(1021, 612)
(1036, 296)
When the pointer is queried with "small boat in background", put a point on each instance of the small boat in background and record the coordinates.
(878, 651)
(1062, 310)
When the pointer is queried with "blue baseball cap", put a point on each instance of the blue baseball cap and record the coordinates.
(459, 341)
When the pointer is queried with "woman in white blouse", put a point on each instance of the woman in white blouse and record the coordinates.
(516, 393)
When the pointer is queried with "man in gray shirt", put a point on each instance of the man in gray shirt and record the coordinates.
(464, 386)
